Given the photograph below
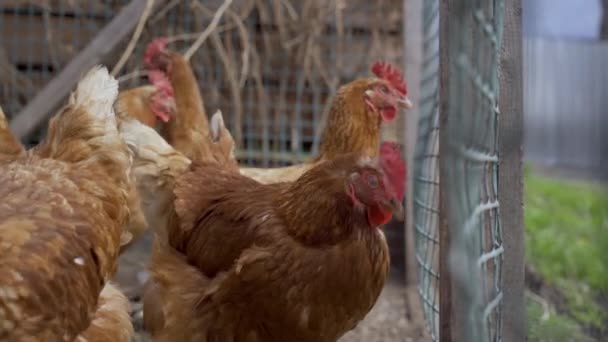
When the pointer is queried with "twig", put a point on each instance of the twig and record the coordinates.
(212, 25)
(46, 20)
(234, 87)
(161, 14)
(131, 75)
(244, 46)
(290, 10)
(136, 34)
(262, 104)
(193, 36)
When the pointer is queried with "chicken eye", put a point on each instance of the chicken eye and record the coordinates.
(372, 180)
(384, 89)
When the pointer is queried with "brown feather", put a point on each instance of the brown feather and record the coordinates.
(136, 102)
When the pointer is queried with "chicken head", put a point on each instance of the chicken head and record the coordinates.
(379, 191)
(388, 93)
(162, 103)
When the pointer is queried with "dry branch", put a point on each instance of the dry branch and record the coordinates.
(212, 25)
(134, 39)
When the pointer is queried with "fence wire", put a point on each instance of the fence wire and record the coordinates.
(426, 176)
(471, 205)
(271, 66)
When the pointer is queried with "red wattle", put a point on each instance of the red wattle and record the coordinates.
(378, 217)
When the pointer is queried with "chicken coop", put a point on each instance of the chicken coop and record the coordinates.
(272, 68)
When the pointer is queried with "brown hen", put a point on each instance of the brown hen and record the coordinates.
(65, 206)
(353, 123)
(302, 261)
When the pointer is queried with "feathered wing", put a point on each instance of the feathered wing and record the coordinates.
(205, 203)
(183, 270)
(10, 147)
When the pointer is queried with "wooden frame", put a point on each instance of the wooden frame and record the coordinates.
(510, 178)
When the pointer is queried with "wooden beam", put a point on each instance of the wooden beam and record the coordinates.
(38, 110)
(510, 178)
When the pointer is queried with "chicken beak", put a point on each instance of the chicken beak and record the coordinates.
(405, 102)
(397, 208)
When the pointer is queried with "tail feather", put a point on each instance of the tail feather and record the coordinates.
(10, 147)
(86, 127)
(97, 91)
(111, 321)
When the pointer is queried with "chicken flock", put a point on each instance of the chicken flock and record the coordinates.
(239, 254)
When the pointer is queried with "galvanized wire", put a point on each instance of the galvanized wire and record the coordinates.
(471, 165)
(426, 177)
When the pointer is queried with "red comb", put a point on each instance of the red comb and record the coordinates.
(390, 73)
(394, 167)
(155, 47)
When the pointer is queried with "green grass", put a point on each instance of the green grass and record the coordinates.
(555, 328)
(567, 241)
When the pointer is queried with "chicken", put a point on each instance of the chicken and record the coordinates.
(157, 165)
(66, 204)
(139, 102)
(188, 130)
(301, 261)
(353, 122)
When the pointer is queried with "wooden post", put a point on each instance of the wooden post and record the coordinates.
(38, 110)
(510, 179)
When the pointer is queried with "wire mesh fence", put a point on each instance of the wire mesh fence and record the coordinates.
(464, 152)
(426, 177)
(271, 66)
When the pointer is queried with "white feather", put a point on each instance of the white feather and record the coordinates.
(217, 124)
(97, 91)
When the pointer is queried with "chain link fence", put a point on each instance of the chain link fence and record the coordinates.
(460, 215)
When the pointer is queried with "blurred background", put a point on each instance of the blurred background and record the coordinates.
(566, 153)
(272, 66)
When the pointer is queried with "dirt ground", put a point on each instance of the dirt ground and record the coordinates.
(386, 322)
